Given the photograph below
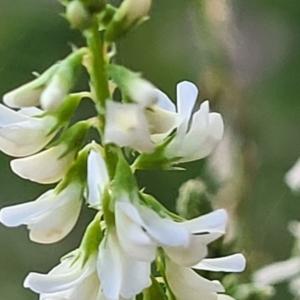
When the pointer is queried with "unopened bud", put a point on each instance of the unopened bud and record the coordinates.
(129, 14)
(133, 86)
(78, 16)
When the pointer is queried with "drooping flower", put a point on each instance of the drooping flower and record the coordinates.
(97, 177)
(49, 218)
(25, 132)
(197, 134)
(50, 89)
(121, 275)
(187, 136)
(50, 165)
(140, 231)
(72, 279)
(186, 284)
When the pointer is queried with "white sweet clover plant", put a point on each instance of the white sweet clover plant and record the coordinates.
(134, 248)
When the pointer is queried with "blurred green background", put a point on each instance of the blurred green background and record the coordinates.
(244, 56)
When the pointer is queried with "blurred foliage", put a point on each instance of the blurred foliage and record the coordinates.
(258, 80)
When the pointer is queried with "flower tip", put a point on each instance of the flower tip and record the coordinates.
(7, 219)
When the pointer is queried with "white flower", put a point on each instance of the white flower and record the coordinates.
(126, 125)
(186, 284)
(292, 177)
(97, 177)
(140, 231)
(71, 279)
(49, 218)
(48, 166)
(120, 274)
(22, 134)
(199, 133)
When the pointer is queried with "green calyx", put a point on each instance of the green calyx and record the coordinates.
(124, 182)
(156, 159)
(77, 172)
(92, 238)
(123, 78)
(73, 137)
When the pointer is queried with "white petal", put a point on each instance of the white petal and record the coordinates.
(109, 267)
(232, 263)
(190, 255)
(21, 213)
(277, 272)
(30, 111)
(55, 92)
(292, 177)
(161, 121)
(9, 116)
(164, 231)
(212, 222)
(131, 235)
(97, 178)
(49, 218)
(214, 135)
(45, 167)
(203, 230)
(186, 284)
(126, 125)
(164, 102)
(120, 275)
(26, 137)
(63, 277)
(54, 225)
(143, 92)
(23, 96)
(187, 94)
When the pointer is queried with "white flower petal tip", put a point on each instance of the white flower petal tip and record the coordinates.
(277, 272)
(292, 177)
(22, 97)
(45, 167)
(232, 263)
(49, 218)
(98, 178)
(21, 134)
(126, 126)
(69, 280)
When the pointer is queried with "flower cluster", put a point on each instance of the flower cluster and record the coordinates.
(132, 231)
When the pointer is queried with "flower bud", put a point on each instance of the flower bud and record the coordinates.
(61, 82)
(130, 13)
(77, 15)
(133, 86)
(29, 94)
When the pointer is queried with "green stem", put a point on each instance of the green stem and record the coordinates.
(98, 70)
